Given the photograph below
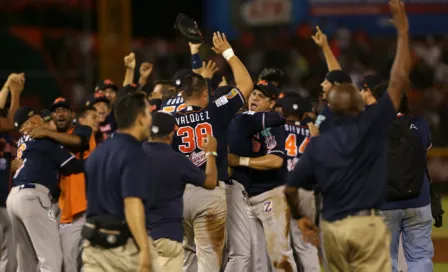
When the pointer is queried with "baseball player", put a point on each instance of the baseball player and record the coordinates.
(34, 225)
(297, 138)
(72, 202)
(241, 130)
(268, 208)
(205, 211)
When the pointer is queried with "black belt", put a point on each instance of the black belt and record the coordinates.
(27, 186)
(367, 213)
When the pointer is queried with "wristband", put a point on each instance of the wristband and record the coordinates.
(244, 161)
(196, 62)
(212, 153)
(228, 53)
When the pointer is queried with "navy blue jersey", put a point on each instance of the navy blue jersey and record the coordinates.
(115, 170)
(42, 159)
(241, 130)
(297, 138)
(174, 104)
(195, 123)
(269, 141)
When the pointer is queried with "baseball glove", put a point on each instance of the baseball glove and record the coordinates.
(188, 27)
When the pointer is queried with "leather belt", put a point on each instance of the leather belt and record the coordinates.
(370, 212)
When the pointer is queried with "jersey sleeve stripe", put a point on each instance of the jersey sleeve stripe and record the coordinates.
(263, 121)
(241, 96)
(66, 161)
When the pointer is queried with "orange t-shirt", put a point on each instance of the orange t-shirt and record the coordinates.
(73, 188)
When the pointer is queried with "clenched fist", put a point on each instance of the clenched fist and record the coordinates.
(129, 61)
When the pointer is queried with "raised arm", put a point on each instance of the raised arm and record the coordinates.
(4, 93)
(399, 74)
(16, 85)
(321, 40)
(129, 63)
(242, 77)
(196, 63)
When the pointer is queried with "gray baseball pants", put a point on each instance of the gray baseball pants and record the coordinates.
(306, 252)
(8, 259)
(272, 211)
(238, 228)
(71, 241)
(35, 229)
(205, 214)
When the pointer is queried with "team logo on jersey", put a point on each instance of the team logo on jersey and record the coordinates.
(270, 142)
(255, 146)
(198, 158)
(232, 94)
(291, 163)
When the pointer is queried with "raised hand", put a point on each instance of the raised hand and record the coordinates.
(208, 69)
(399, 18)
(129, 61)
(220, 43)
(145, 69)
(320, 38)
(16, 83)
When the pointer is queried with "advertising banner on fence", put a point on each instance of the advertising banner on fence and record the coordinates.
(233, 16)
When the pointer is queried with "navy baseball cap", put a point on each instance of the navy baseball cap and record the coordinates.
(163, 123)
(267, 88)
(95, 98)
(271, 74)
(179, 78)
(130, 88)
(46, 115)
(371, 81)
(106, 84)
(337, 77)
(296, 105)
(60, 102)
(22, 115)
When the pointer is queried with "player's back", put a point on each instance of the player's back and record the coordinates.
(196, 122)
(297, 138)
(104, 170)
(38, 165)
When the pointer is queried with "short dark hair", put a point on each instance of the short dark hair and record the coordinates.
(379, 90)
(84, 111)
(193, 85)
(128, 107)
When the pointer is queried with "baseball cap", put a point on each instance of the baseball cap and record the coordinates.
(266, 87)
(371, 81)
(163, 123)
(296, 104)
(337, 77)
(179, 78)
(46, 115)
(60, 102)
(127, 89)
(106, 84)
(22, 115)
(271, 74)
(95, 98)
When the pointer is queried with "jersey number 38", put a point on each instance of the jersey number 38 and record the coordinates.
(193, 137)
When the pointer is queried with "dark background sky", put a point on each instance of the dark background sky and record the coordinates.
(157, 17)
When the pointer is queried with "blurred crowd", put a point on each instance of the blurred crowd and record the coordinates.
(293, 53)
